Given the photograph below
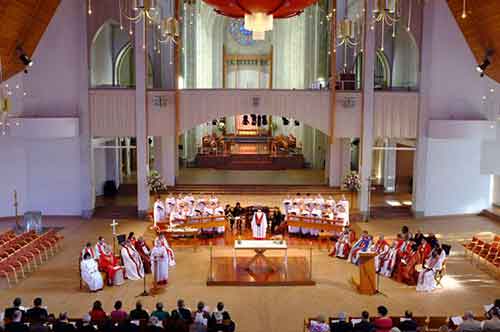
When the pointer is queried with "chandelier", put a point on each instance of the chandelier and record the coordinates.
(259, 15)
(147, 12)
(348, 37)
(5, 122)
(386, 12)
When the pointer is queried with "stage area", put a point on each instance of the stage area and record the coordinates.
(273, 309)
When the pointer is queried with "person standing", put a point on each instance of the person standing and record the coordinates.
(160, 263)
(259, 225)
(134, 269)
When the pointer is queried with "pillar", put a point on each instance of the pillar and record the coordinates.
(390, 155)
(367, 112)
(128, 156)
(87, 180)
(141, 122)
(420, 161)
(345, 157)
(334, 163)
(496, 190)
(168, 161)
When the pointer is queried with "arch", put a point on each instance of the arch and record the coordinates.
(106, 44)
(382, 70)
(125, 67)
(406, 60)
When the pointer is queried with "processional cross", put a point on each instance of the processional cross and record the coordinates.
(113, 230)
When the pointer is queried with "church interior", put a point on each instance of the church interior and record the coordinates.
(250, 165)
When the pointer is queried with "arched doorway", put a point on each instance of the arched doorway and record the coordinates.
(256, 149)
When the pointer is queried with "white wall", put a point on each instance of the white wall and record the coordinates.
(46, 174)
(99, 170)
(454, 183)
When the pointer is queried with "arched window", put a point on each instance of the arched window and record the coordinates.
(382, 71)
(125, 68)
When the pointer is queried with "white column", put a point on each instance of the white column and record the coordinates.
(419, 165)
(168, 160)
(141, 123)
(345, 156)
(117, 155)
(496, 190)
(334, 163)
(128, 156)
(87, 179)
(367, 116)
(157, 155)
(390, 167)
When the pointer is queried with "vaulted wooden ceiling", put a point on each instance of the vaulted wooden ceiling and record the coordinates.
(22, 22)
(481, 28)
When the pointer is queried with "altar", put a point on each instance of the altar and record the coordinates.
(260, 263)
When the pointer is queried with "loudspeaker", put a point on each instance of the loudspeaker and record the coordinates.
(121, 238)
(259, 121)
(286, 122)
(264, 120)
(245, 120)
(254, 119)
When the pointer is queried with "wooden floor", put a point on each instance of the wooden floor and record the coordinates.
(228, 272)
(270, 309)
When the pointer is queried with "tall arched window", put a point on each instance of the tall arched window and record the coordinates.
(382, 79)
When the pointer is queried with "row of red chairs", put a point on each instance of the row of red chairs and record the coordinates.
(6, 237)
(29, 256)
(19, 241)
(487, 251)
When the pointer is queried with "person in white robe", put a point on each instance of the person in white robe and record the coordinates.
(317, 214)
(381, 248)
(259, 225)
(294, 211)
(90, 273)
(287, 204)
(171, 256)
(160, 263)
(100, 247)
(304, 212)
(343, 244)
(219, 213)
(330, 202)
(213, 200)
(159, 211)
(88, 250)
(134, 268)
(426, 278)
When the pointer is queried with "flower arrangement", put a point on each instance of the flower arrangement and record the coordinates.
(352, 181)
(155, 182)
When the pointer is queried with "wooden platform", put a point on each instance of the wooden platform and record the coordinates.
(249, 161)
(226, 273)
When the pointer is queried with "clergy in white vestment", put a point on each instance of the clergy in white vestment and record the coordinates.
(259, 225)
(159, 211)
(88, 250)
(134, 268)
(171, 256)
(90, 273)
(294, 211)
(160, 263)
(426, 278)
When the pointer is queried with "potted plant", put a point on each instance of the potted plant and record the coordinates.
(352, 182)
(155, 182)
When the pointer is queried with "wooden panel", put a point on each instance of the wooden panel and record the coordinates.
(481, 29)
(23, 23)
(112, 113)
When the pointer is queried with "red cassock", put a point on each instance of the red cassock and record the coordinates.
(109, 264)
(144, 251)
(407, 261)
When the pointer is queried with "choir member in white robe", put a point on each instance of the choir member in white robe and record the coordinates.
(159, 211)
(287, 204)
(170, 200)
(219, 213)
(320, 201)
(330, 202)
(294, 211)
(88, 250)
(160, 263)
(213, 200)
(90, 273)
(317, 214)
(426, 278)
(259, 225)
(305, 213)
(134, 269)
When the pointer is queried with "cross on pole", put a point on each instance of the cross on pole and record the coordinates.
(113, 230)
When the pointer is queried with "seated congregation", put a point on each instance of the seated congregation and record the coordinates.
(413, 259)
(179, 319)
(382, 322)
(99, 265)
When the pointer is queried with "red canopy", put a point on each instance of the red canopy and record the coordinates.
(276, 8)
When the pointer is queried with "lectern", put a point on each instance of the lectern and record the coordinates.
(367, 276)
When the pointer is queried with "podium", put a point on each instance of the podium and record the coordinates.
(367, 275)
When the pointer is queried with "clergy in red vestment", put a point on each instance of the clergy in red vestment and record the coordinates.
(343, 245)
(381, 248)
(144, 251)
(109, 264)
(405, 271)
